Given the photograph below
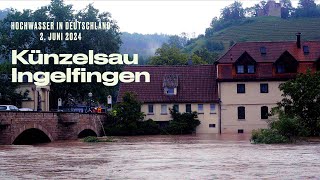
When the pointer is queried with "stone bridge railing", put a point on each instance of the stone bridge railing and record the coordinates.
(55, 125)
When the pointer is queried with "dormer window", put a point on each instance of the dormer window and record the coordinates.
(245, 64)
(170, 84)
(170, 91)
(263, 50)
(306, 49)
(251, 69)
(240, 69)
(286, 63)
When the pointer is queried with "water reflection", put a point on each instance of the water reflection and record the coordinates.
(161, 157)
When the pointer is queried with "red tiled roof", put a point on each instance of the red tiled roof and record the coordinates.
(274, 51)
(196, 83)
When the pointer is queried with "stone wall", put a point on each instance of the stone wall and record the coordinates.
(57, 126)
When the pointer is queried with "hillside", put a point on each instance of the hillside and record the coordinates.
(143, 44)
(261, 29)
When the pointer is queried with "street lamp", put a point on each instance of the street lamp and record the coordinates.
(90, 99)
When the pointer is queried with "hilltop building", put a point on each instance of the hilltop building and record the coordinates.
(270, 9)
(239, 91)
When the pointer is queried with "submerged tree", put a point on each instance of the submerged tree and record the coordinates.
(302, 101)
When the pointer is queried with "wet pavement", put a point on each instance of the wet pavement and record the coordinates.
(161, 157)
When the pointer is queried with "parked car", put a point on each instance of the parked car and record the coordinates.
(25, 109)
(8, 108)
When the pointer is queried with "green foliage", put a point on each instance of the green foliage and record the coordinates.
(233, 12)
(90, 139)
(128, 110)
(172, 55)
(93, 139)
(213, 45)
(168, 55)
(57, 11)
(184, 123)
(126, 119)
(298, 111)
(302, 101)
(8, 93)
(268, 136)
(207, 56)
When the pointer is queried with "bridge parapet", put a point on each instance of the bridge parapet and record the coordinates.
(56, 125)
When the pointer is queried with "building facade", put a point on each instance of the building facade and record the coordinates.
(37, 98)
(236, 94)
(270, 9)
(249, 75)
(185, 88)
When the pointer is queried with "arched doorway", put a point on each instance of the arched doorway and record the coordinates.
(31, 136)
(87, 132)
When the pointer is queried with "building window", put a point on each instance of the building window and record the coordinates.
(251, 69)
(212, 125)
(264, 88)
(264, 112)
(240, 131)
(164, 109)
(200, 108)
(241, 88)
(212, 108)
(150, 109)
(240, 69)
(263, 50)
(306, 49)
(280, 68)
(188, 108)
(170, 91)
(241, 112)
(176, 107)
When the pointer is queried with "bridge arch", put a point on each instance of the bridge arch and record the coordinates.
(87, 130)
(36, 130)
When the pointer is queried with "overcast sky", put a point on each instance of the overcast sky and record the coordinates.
(149, 16)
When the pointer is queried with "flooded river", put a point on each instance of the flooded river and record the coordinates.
(161, 157)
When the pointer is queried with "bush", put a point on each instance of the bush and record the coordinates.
(268, 136)
(286, 126)
(90, 139)
(184, 123)
(148, 127)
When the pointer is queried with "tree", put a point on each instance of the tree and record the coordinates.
(99, 41)
(307, 4)
(307, 8)
(178, 41)
(182, 123)
(286, 8)
(302, 101)
(128, 110)
(8, 94)
(233, 12)
(171, 55)
(127, 119)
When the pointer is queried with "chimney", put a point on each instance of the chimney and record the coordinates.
(298, 40)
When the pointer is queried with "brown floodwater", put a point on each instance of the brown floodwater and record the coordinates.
(161, 157)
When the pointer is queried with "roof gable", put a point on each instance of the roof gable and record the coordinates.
(245, 58)
(273, 51)
(286, 57)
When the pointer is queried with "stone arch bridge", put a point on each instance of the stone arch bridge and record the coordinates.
(39, 127)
